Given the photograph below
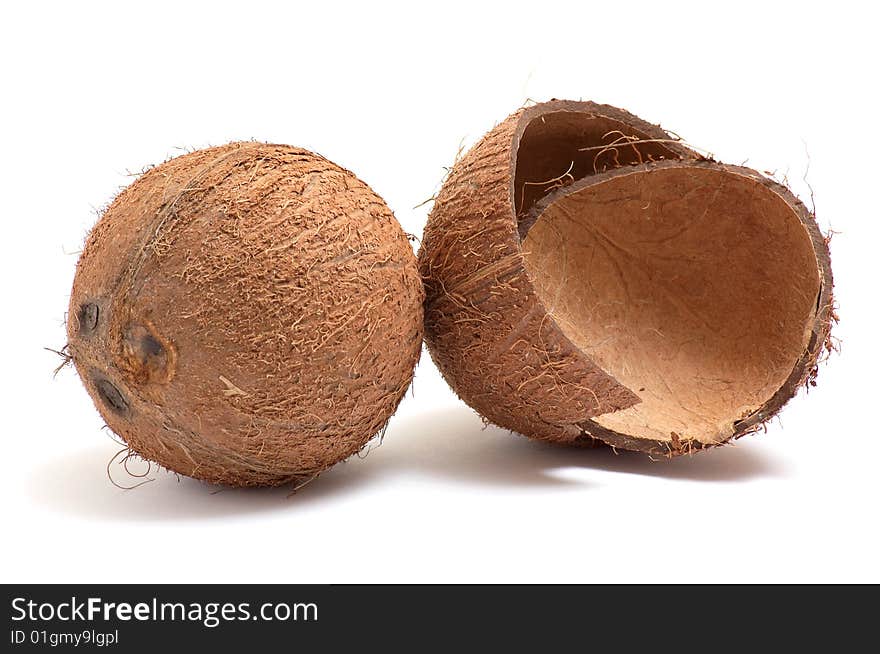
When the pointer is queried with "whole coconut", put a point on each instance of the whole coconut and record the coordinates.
(247, 315)
(591, 280)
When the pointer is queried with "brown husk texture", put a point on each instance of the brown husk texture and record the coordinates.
(488, 326)
(258, 314)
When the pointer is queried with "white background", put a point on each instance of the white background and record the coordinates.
(390, 91)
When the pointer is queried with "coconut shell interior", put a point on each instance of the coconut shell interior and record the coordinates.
(694, 286)
(559, 147)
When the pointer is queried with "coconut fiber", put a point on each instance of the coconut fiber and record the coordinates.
(247, 314)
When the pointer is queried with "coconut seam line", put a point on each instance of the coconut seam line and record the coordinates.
(540, 301)
(248, 314)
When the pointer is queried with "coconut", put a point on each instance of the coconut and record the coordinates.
(589, 279)
(246, 315)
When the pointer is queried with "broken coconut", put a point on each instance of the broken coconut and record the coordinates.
(247, 314)
(591, 279)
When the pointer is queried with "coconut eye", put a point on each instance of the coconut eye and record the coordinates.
(151, 347)
(146, 355)
(111, 396)
(88, 317)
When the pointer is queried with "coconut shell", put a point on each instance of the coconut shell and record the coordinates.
(589, 279)
(246, 315)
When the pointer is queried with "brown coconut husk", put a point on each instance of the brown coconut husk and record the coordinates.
(589, 278)
(246, 315)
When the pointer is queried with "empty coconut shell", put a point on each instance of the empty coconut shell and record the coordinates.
(248, 314)
(590, 279)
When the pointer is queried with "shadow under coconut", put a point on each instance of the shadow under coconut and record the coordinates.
(734, 462)
(450, 443)
(78, 484)
(453, 443)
